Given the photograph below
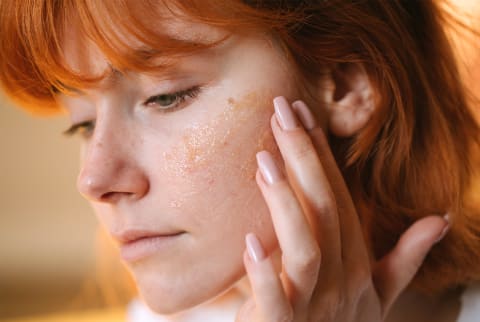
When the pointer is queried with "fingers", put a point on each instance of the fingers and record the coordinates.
(351, 232)
(310, 181)
(305, 204)
(300, 251)
(271, 303)
(394, 272)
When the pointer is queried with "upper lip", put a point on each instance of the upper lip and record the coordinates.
(131, 235)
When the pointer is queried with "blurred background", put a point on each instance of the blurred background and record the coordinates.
(52, 257)
(49, 239)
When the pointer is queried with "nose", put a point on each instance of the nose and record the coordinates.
(110, 169)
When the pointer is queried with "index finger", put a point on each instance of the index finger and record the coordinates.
(311, 184)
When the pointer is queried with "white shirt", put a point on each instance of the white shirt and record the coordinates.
(138, 312)
(470, 311)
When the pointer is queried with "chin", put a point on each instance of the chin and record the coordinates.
(165, 305)
(174, 294)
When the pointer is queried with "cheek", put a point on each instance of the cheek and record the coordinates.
(218, 157)
(239, 123)
(213, 172)
(217, 200)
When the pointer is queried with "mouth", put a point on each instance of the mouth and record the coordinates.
(136, 245)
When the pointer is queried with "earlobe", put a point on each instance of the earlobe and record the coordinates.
(350, 103)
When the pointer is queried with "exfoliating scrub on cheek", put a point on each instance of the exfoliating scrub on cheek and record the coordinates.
(214, 162)
(243, 126)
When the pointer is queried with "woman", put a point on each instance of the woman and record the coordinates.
(200, 185)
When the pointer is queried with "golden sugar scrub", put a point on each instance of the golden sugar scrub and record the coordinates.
(207, 150)
(203, 144)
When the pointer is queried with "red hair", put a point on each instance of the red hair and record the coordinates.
(413, 159)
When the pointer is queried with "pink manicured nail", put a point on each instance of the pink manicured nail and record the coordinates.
(254, 248)
(270, 172)
(304, 114)
(285, 115)
(446, 229)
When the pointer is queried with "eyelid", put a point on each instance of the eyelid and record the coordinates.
(181, 94)
(72, 130)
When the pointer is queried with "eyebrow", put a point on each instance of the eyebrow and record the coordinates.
(110, 76)
(145, 53)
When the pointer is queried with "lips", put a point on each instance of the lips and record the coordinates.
(129, 236)
(140, 244)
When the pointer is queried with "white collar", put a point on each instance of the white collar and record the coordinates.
(470, 311)
(138, 311)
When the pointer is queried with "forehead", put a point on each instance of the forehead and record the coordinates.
(159, 39)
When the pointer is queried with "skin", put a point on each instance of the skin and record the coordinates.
(196, 170)
(191, 170)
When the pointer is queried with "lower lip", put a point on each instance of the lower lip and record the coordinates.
(145, 247)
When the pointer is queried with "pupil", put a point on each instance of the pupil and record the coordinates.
(166, 100)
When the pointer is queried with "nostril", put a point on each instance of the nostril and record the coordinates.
(108, 195)
(114, 196)
(111, 196)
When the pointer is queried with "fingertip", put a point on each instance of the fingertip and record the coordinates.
(274, 124)
(447, 217)
(446, 228)
(246, 260)
(255, 248)
(395, 271)
(424, 233)
(267, 290)
(249, 266)
(304, 114)
(260, 180)
(271, 173)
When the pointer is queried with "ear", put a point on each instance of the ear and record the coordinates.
(350, 103)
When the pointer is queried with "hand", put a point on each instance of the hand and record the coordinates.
(327, 274)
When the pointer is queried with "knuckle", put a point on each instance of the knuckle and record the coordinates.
(308, 261)
(325, 207)
(360, 280)
(329, 304)
(304, 151)
(285, 316)
(327, 204)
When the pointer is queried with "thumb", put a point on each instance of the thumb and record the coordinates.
(394, 271)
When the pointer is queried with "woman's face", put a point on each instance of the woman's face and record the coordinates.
(182, 166)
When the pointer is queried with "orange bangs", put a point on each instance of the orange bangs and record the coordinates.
(128, 33)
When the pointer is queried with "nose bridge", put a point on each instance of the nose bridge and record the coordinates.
(107, 169)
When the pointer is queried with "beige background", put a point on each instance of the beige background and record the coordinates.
(46, 229)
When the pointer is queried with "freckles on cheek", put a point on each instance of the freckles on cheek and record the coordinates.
(221, 139)
(224, 147)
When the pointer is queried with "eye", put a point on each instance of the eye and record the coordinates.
(84, 129)
(167, 103)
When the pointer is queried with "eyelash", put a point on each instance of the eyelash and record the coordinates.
(84, 128)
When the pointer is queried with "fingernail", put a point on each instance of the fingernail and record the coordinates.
(254, 248)
(285, 115)
(270, 172)
(446, 229)
(304, 114)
